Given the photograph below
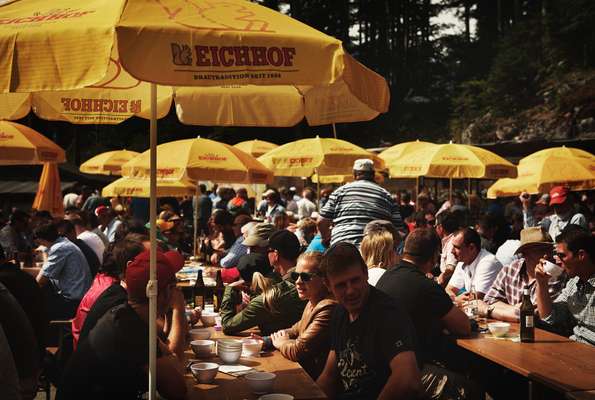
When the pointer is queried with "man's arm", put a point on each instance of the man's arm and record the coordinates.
(179, 326)
(502, 311)
(544, 301)
(328, 380)
(41, 279)
(324, 227)
(457, 322)
(254, 313)
(404, 381)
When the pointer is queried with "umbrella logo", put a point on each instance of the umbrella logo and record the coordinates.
(181, 54)
(47, 16)
(6, 136)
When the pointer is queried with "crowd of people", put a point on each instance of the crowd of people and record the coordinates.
(366, 289)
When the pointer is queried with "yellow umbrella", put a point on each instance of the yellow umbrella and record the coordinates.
(378, 177)
(49, 192)
(255, 148)
(324, 156)
(20, 145)
(395, 153)
(541, 171)
(139, 187)
(200, 159)
(108, 163)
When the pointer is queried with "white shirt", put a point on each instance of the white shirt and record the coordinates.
(374, 275)
(305, 208)
(506, 253)
(94, 242)
(110, 229)
(481, 273)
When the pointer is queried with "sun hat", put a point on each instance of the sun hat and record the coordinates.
(259, 235)
(533, 237)
(363, 165)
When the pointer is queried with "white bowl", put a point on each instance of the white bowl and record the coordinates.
(499, 329)
(229, 356)
(202, 348)
(251, 347)
(204, 372)
(260, 382)
(208, 318)
(199, 334)
(276, 396)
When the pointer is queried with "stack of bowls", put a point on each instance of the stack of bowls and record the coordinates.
(229, 350)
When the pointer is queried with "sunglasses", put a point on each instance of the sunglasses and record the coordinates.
(306, 276)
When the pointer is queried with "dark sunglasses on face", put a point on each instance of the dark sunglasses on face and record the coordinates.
(306, 276)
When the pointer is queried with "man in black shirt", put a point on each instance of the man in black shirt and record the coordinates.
(372, 338)
(430, 309)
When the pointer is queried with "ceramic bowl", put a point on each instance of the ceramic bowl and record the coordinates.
(260, 382)
(251, 347)
(499, 329)
(199, 334)
(202, 348)
(276, 396)
(204, 372)
(208, 318)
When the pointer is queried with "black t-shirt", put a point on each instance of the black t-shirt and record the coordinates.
(111, 362)
(111, 297)
(425, 301)
(366, 346)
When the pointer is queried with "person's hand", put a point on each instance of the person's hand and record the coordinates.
(278, 338)
(482, 308)
(177, 301)
(462, 299)
(444, 277)
(525, 199)
(541, 276)
(245, 297)
(256, 336)
(194, 315)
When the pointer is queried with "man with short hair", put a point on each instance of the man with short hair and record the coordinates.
(447, 224)
(372, 338)
(306, 205)
(574, 308)
(66, 229)
(476, 270)
(353, 205)
(84, 233)
(431, 311)
(109, 222)
(237, 249)
(280, 306)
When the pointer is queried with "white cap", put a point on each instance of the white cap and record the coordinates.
(364, 165)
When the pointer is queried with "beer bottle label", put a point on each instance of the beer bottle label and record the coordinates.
(529, 321)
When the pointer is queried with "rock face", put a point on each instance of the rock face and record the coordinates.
(566, 111)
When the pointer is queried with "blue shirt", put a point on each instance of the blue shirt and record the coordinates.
(234, 253)
(316, 245)
(67, 269)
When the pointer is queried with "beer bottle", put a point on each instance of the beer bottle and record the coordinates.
(198, 291)
(218, 291)
(527, 315)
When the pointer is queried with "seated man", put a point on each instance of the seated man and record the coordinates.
(65, 275)
(476, 269)
(503, 300)
(279, 306)
(372, 339)
(66, 229)
(574, 308)
(112, 362)
(241, 224)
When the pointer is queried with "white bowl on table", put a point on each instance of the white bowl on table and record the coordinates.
(199, 334)
(276, 396)
(251, 347)
(260, 382)
(204, 372)
(499, 329)
(202, 348)
(208, 318)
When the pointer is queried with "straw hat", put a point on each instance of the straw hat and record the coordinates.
(533, 237)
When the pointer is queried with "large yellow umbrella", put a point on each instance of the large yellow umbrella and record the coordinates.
(200, 159)
(140, 187)
(323, 156)
(395, 153)
(20, 145)
(255, 148)
(541, 171)
(378, 178)
(108, 163)
(49, 191)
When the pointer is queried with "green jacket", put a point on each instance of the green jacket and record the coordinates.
(286, 302)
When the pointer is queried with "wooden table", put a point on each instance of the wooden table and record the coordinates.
(552, 360)
(589, 395)
(291, 379)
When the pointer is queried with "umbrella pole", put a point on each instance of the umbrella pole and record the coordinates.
(195, 217)
(334, 131)
(469, 193)
(318, 187)
(152, 285)
(450, 191)
(416, 192)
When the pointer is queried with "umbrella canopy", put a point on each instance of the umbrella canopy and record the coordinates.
(255, 148)
(108, 163)
(49, 193)
(324, 156)
(394, 153)
(541, 171)
(139, 187)
(21, 145)
(378, 178)
(452, 161)
(200, 159)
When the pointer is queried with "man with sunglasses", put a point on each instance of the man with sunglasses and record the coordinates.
(574, 309)
(372, 339)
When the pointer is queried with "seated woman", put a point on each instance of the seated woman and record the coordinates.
(378, 251)
(308, 340)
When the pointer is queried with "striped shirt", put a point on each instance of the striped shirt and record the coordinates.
(353, 205)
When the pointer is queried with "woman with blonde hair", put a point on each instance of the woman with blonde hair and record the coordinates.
(378, 251)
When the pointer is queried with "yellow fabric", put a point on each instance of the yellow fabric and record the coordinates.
(325, 156)
(14, 105)
(541, 171)
(200, 159)
(49, 192)
(255, 148)
(452, 161)
(394, 153)
(139, 187)
(21, 145)
(108, 163)
(326, 179)
(56, 45)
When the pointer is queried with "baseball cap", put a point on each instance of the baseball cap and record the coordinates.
(100, 210)
(137, 275)
(363, 165)
(558, 195)
(259, 235)
(286, 243)
(169, 216)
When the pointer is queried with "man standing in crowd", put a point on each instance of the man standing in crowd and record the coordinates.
(562, 204)
(476, 270)
(431, 311)
(306, 205)
(574, 309)
(353, 205)
(372, 356)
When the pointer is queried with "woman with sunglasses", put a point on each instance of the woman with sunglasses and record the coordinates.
(308, 340)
